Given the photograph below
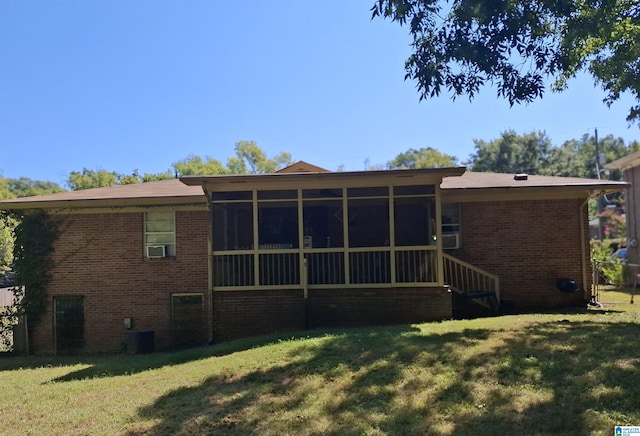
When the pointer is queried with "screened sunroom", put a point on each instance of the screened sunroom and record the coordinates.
(325, 230)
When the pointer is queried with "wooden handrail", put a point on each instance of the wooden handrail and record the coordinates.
(465, 278)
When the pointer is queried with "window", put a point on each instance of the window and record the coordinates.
(160, 234)
(451, 226)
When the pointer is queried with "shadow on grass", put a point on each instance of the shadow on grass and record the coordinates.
(548, 378)
(111, 365)
(570, 310)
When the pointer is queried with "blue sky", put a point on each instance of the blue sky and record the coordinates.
(139, 84)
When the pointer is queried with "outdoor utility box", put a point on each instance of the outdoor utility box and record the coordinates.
(140, 342)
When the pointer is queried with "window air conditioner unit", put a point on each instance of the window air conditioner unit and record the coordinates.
(450, 240)
(155, 251)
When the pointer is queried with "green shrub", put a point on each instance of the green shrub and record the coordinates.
(8, 320)
(612, 269)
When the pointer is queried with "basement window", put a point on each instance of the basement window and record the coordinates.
(187, 320)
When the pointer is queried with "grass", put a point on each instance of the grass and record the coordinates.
(574, 372)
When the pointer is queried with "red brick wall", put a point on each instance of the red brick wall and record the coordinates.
(100, 256)
(250, 313)
(357, 307)
(528, 244)
(238, 314)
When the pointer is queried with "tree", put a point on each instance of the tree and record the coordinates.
(517, 46)
(11, 188)
(512, 153)
(250, 158)
(7, 224)
(88, 179)
(148, 177)
(5, 190)
(577, 157)
(26, 187)
(533, 153)
(422, 158)
(196, 166)
(129, 179)
(91, 179)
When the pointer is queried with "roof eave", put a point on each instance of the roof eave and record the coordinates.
(550, 192)
(630, 161)
(102, 203)
(273, 177)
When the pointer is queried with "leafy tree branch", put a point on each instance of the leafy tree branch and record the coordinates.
(518, 46)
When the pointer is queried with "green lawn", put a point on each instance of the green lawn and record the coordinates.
(574, 372)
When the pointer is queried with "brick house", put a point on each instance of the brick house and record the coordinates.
(630, 167)
(213, 258)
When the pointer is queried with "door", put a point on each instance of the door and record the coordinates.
(69, 324)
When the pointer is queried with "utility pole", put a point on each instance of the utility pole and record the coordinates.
(598, 203)
(597, 155)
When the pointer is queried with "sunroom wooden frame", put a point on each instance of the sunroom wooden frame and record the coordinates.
(342, 181)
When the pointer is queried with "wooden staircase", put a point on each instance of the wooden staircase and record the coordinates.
(475, 292)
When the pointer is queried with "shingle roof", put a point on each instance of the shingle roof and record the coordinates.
(478, 180)
(166, 191)
(175, 192)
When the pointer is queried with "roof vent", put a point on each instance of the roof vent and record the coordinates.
(521, 176)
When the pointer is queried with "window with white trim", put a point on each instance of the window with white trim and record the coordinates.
(451, 237)
(160, 234)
